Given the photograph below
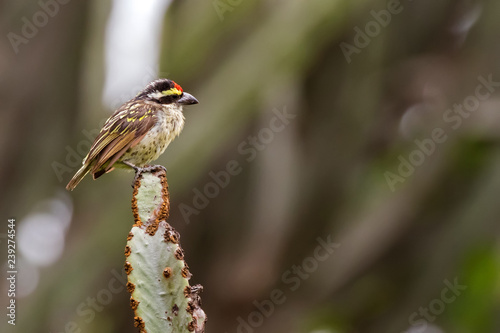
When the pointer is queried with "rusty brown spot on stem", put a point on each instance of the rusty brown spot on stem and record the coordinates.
(171, 236)
(152, 228)
(135, 209)
(167, 272)
(179, 254)
(127, 250)
(133, 303)
(128, 267)
(187, 291)
(139, 323)
(175, 310)
(165, 207)
(130, 287)
(185, 272)
(190, 307)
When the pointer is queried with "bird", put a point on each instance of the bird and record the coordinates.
(138, 132)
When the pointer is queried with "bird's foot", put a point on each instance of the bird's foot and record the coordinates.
(153, 168)
(140, 170)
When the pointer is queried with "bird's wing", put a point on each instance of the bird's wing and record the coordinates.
(123, 130)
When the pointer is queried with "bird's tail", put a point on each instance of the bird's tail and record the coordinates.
(78, 177)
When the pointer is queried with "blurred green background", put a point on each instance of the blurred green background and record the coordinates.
(371, 126)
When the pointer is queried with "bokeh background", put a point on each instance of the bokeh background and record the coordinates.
(364, 124)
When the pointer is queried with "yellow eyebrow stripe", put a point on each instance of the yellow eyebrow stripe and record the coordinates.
(173, 91)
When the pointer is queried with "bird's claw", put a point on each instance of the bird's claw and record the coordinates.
(148, 168)
(153, 168)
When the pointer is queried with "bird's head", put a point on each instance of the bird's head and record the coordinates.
(166, 91)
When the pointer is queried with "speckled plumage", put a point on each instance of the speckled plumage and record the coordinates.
(138, 132)
(169, 122)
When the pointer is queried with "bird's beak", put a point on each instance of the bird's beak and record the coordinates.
(187, 99)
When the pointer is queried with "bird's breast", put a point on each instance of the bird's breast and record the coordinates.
(168, 125)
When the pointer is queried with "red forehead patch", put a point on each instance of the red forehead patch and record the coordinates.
(176, 86)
